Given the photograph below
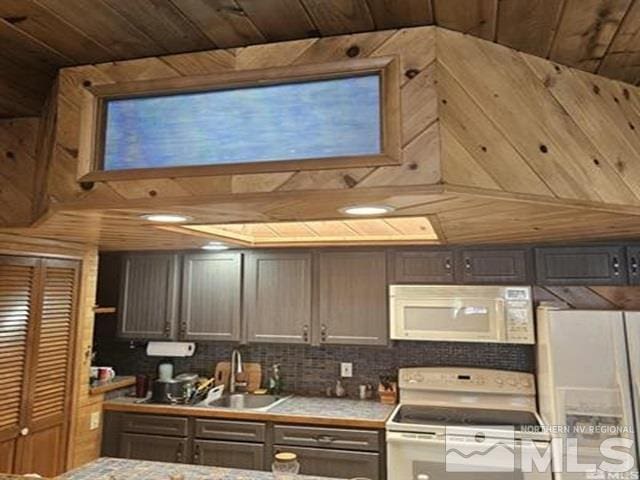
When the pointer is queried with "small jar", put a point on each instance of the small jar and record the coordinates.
(285, 465)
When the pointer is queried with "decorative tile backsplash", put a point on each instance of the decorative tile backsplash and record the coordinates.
(309, 370)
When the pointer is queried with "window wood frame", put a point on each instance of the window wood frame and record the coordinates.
(93, 118)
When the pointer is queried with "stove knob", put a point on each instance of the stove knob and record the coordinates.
(512, 382)
(526, 383)
(419, 377)
(499, 381)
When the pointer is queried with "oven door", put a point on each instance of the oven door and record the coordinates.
(453, 319)
(412, 456)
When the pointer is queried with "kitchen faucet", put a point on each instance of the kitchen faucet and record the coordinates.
(236, 368)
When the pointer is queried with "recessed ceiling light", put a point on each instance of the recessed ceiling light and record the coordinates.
(215, 246)
(165, 218)
(367, 210)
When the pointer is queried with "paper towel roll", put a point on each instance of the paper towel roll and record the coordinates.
(171, 349)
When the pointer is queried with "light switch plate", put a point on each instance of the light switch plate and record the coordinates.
(346, 369)
(94, 422)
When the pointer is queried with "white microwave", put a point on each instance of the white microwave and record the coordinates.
(461, 313)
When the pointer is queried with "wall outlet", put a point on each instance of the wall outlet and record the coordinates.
(346, 369)
(94, 422)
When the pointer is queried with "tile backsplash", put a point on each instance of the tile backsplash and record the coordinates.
(309, 370)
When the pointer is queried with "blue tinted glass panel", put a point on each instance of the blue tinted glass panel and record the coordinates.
(325, 118)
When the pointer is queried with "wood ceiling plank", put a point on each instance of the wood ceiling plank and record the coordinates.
(555, 147)
(163, 23)
(40, 23)
(400, 13)
(622, 60)
(201, 63)
(585, 31)
(335, 17)
(271, 55)
(332, 49)
(104, 25)
(475, 17)
(222, 21)
(279, 20)
(528, 25)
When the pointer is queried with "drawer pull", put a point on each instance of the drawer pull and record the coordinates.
(179, 453)
(422, 476)
(196, 454)
(325, 439)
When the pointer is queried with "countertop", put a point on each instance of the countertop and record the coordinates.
(115, 383)
(297, 409)
(120, 469)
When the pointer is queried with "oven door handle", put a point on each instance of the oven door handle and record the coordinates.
(399, 438)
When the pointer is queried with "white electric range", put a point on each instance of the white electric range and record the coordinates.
(462, 423)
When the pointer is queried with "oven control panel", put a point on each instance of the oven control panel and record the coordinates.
(461, 379)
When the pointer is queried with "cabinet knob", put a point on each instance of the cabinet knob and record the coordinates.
(196, 454)
(323, 332)
(447, 264)
(616, 266)
(305, 333)
(467, 264)
(167, 329)
(634, 266)
(24, 432)
(179, 453)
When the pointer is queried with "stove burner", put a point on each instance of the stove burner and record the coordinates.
(447, 416)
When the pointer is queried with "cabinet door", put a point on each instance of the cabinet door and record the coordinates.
(148, 297)
(153, 447)
(216, 453)
(335, 463)
(352, 298)
(633, 262)
(422, 266)
(493, 266)
(17, 311)
(277, 297)
(580, 266)
(211, 288)
(49, 376)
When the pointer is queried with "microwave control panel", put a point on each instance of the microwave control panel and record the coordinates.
(518, 313)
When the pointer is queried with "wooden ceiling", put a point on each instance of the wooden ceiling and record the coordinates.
(39, 36)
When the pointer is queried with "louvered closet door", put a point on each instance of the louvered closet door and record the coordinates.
(50, 372)
(17, 278)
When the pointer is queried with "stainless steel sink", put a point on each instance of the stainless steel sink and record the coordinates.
(245, 401)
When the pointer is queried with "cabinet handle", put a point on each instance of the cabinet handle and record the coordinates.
(325, 439)
(183, 329)
(167, 329)
(447, 264)
(323, 332)
(196, 454)
(305, 333)
(616, 266)
(179, 453)
(634, 266)
(467, 264)
(422, 476)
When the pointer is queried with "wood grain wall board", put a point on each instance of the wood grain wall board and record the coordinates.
(589, 298)
(590, 33)
(222, 21)
(528, 25)
(400, 13)
(586, 30)
(622, 60)
(536, 124)
(625, 298)
(475, 17)
(335, 17)
(590, 106)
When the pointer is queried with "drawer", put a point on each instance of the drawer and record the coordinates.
(367, 440)
(230, 430)
(155, 425)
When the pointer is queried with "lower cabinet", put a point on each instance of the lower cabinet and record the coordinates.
(217, 453)
(153, 447)
(247, 445)
(326, 462)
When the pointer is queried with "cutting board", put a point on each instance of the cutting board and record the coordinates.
(252, 374)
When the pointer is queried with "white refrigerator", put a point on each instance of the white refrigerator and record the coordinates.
(588, 374)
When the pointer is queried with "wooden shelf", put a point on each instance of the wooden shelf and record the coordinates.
(97, 309)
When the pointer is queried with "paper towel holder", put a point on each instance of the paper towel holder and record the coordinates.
(171, 349)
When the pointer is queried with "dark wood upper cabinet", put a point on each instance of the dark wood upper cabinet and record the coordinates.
(277, 297)
(499, 266)
(421, 266)
(211, 296)
(149, 296)
(602, 265)
(633, 264)
(351, 297)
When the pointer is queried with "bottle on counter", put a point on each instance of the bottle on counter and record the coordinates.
(340, 391)
(275, 381)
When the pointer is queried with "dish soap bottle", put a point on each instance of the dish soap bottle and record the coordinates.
(275, 381)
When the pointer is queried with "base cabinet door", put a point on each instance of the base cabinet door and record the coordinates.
(7, 455)
(217, 453)
(335, 463)
(153, 447)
